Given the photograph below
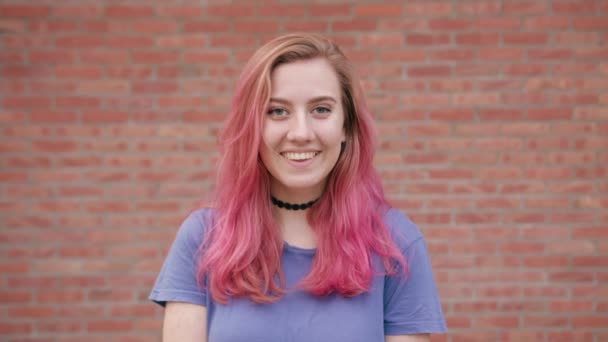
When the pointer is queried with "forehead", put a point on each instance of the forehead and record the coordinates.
(304, 79)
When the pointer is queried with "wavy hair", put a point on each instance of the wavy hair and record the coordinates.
(241, 253)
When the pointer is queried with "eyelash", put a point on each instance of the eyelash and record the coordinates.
(272, 111)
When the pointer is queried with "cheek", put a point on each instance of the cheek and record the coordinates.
(271, 134)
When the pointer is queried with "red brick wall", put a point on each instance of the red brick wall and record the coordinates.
(494, 139)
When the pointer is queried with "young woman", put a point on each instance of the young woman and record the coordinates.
(300, 244)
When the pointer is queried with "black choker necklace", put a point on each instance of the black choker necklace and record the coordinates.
(290, 206)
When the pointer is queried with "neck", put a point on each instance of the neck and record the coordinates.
(294, 227)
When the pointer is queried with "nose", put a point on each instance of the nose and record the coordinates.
(300, 129)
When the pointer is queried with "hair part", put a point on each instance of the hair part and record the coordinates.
(241, 252)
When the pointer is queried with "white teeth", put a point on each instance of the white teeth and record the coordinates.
(299, 155)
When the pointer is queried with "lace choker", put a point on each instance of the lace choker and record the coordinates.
(291, 206)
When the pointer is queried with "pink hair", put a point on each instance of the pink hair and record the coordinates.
(242, 249)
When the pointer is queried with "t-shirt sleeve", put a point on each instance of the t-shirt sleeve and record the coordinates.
(177, 280)
(411, 302)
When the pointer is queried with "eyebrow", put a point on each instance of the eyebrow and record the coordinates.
(313, 100)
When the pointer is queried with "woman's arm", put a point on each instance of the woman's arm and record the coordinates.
(185, 322)
(408, 338)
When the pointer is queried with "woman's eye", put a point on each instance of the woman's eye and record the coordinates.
(276, 111)
(322, 110)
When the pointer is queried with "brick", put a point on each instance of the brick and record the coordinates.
(60, 327)
(589, 23)
(552, 54)
(21, 297)
(125, 42)
(472, 218)
(575, 38)
(570, 7)
(378, 40)
(180, 11)
(287, 10)
(429, 71)
(151, 87)
(453, 54)
(479, 7)
(113, 325)
(31, 312)
(570, 336)
(587, 322)
(103, 87)
(72, 11)
(140, 310)
(449, 24)
(195, 57)
(426, 39)
(154, 57)
(458, 322)
(78, 72)
(53, 87)
(591, 53)
(71, 102)
(569, 277)
(26, 102)
(52, 26)
(524, 7)
(306, 26)
(500, 114)
(477, 38)
(427, 9)
(377, 10)
(546, 322)
(356, 25)
(63, 297)
(257, 26)
(525, 38)
(447, 85)
(24, 11)
(15, 328)
(546, 23)
(128, 11)
(154, 26)
(12, 118)
(329, 9)
(104, 57)
(508, 322)
(546, 203)
(590, 261)
(522, 247)
(206, 26)
(426, 100)
(491, 23)
(497, 203)
(545, 261)
(51, 56)
(451, 115)
(476, 99)
(13, 146)
(189, 41)
(130, 72)
(597, 232)
(80, 41)
(549, 114)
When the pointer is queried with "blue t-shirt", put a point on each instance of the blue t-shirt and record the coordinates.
(394, 305)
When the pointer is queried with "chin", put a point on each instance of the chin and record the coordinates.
(301, 184)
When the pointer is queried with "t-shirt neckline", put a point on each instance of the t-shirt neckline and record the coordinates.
(299, 250)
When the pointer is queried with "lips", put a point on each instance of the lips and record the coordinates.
(299, 156)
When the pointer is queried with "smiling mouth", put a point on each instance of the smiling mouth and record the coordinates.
(299, 156)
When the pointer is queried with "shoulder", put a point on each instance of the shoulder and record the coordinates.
(403, 231)
(195, 225)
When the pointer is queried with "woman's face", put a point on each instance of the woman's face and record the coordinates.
(303, 129)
